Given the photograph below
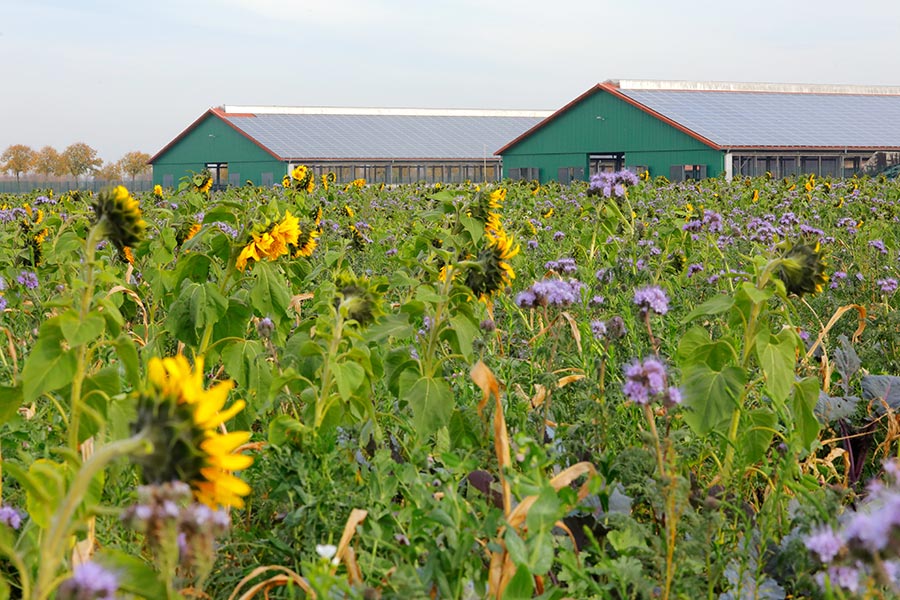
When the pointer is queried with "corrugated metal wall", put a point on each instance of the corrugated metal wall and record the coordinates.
(601, 124)
(215, 141)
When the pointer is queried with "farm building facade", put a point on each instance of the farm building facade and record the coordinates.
(261, 144)
(691, 130)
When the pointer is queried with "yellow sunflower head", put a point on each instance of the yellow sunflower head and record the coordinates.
(158, 191)
(121, 213)
(202, 181)
(492, 272)
(306, 242)
(183, 419)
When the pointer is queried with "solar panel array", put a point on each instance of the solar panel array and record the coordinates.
(742, 119)
(382, 136)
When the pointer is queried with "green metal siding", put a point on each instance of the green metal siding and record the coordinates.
(602, 123)
(213, 140)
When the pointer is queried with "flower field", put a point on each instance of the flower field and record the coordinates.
(622, 389)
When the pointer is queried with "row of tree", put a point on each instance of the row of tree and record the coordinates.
(76, 160)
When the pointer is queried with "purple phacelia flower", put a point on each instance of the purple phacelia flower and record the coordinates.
(28, 279)
(888, 286)
(558, 236)
(10, 517)
(694, 269)
(652, 298)
(644, 380)
(825, 543)
(598, 329)
(90, 581)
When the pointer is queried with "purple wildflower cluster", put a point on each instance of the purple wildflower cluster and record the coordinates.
(551, 292)
(867, 536)
(226, 229)
(612, 184)
(888, 286)
(265, 328)
(90, 581)
(165, 514)
(652, 298)
(28, 279)
(646, 381)
(10, 517)
(566, 266)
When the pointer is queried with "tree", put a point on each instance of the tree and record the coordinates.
(17, 159)
(134, 164)
(111, 171)
(80, 159)
(48, 162)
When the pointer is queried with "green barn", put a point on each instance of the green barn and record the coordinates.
(261, 144)
(691, 130)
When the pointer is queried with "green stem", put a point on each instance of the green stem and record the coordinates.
(87, 296)
(54, 543)
(322, 402)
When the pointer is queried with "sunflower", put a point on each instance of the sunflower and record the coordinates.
(121, 213)
(302, 179)
(497, 198)
(272, 242)
(492, 271)
(183, 421)
(802, 269)
(158, 191)
(359, 299)
(306, 242)
(202, 181)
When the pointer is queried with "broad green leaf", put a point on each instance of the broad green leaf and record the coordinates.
(711, 396)
(432, 403)
(78, 331)
(10, 401)
(50, 478)
(777, 357)
(269, 295)
(128, 356)
(803, 400)
(48, 367)
(462, 334)
(544, 512)
(394, 326)
(757, 434)
(473, 226)
(627, 539)
(246, 363)
(714, 306)
(755, 294)
(520, 586)
(96, 393)
(349, 376)
(696, 347)
(134, 575)
(284, 428)
(197, 306)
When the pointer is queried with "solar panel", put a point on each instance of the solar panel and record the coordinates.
(738, 119)
(383, 136)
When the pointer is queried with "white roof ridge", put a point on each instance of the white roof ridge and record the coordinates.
(416, 112)
(736, 86)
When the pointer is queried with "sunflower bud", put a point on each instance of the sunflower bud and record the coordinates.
(121, 213)
(802, 270)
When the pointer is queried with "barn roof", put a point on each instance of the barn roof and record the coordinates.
(332, 133)
(729, 115)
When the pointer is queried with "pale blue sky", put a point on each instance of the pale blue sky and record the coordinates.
(130, 75)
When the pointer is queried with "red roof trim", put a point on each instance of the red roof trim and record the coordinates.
(179, 137)
(222, 115)
(610, 89)
(547, 120)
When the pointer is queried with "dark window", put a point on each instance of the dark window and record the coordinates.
(268, 179)
(168, 180)
(829, 166)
